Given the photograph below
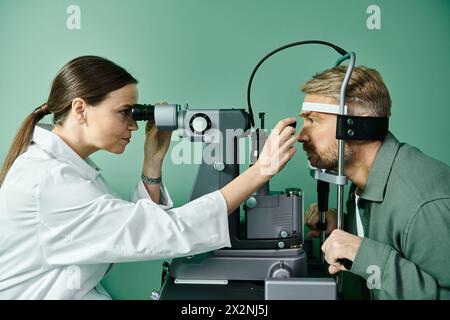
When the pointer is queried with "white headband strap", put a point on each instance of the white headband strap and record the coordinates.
(322, 107)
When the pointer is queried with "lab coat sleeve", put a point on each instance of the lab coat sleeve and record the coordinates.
(141, 193)
(80, 224)
(421, 271)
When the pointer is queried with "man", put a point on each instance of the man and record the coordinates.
(398, 211)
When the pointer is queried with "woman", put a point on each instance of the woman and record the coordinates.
(61, 226)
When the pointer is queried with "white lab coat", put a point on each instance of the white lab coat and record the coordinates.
(61, 226)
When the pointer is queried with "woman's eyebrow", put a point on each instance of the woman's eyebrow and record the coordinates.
(126, 106)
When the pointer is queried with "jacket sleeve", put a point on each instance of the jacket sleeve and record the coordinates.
(141, 193)
(81, 224)
(421, 270)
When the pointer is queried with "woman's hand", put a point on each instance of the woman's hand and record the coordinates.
(156, 143)
(277, 151)
(279, 148)
(155, 148)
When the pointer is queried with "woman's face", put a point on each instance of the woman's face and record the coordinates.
(109, 124)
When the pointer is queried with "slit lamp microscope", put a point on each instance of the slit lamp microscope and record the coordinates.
(267, 258)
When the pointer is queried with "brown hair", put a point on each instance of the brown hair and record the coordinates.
(90, 78)
(366, 92)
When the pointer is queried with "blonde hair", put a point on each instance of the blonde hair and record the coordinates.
(366, 92)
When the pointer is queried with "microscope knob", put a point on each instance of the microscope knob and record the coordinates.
(219, 166)
(200, 123)
(251, 202)
(280, 271)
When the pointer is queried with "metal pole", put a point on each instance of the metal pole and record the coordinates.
(341, 149)
(340, 202)
(323, 236)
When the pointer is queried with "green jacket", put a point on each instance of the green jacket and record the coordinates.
(405, 212)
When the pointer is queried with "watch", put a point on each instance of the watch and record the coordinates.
(148, 180)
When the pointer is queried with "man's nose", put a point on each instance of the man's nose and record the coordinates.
(302, 136)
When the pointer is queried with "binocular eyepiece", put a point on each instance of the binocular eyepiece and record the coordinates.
(143, 112)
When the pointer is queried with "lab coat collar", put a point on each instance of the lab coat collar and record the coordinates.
(375, 187)
(56, 146)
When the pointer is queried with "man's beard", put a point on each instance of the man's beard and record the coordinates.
(328, 159)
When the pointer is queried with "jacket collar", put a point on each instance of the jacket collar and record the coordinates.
(53, 144)
(381, 168)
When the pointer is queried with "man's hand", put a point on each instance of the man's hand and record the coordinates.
(340, 245)
(312, 217)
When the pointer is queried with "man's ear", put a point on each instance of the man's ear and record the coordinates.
(79, 108)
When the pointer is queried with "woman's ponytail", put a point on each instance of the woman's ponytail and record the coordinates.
(23, 138)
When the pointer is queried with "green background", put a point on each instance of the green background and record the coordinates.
(202, 52)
